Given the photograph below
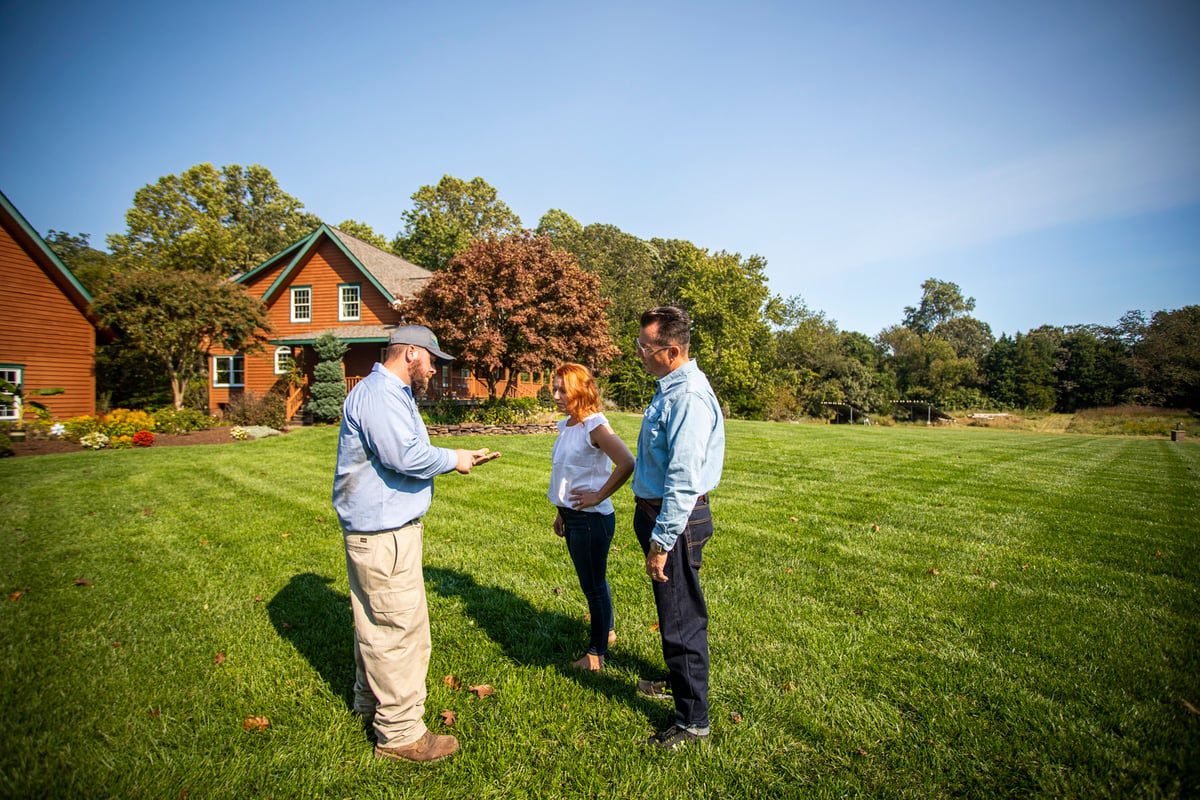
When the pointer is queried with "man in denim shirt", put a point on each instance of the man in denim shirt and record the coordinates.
(681, 448)
(381, 489)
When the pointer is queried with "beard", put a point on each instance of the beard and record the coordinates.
(420, 383)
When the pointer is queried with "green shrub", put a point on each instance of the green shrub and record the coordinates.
(183, 420)
(6, 448)
(248, 410)
(78, 427)
(328, 391)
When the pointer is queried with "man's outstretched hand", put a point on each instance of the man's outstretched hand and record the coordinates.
(473, 458)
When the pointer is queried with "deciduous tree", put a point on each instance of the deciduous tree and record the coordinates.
(94, 268)
(176, 318)
(446, 218)
(515, 304)
(208, 220)
(940, 301)
(361, 230)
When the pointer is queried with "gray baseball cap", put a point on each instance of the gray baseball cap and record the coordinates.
(421, 337)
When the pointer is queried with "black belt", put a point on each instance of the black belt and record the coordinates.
(656, 503)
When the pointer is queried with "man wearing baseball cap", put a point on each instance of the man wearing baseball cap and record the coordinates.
(382, 487)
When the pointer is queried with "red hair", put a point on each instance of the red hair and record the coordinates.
(583, 395)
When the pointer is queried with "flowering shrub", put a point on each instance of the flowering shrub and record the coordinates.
(238, 432)
(78, 427)
(94, 440)
(58, 429)
(143, 439)
(123, 422)
(184, 420)
(120, 442)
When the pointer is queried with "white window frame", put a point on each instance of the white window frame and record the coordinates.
(231, 369)
(344, 303)
(283, 360)
(14, 375)
(297, 304)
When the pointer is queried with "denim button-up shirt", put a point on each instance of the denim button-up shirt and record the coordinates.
(681, 449)
(385, 464)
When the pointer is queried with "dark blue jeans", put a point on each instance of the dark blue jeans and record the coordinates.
(589, 537)
(682, 612)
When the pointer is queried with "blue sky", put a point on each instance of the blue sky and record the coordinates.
(1043, 155)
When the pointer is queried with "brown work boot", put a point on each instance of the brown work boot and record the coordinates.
(429, 748)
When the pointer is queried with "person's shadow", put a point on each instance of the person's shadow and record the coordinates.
(542, 638)
(318, 622)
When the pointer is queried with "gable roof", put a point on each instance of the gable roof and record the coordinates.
(33, 244)
(392, 276)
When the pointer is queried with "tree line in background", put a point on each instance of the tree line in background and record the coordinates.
(508, 298)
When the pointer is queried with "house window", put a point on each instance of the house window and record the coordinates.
(301, 304)
(350, 307)
(229, 371)
(283, 360)
(10, 405)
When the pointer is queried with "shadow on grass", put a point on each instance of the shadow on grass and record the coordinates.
(544, 639)
(317, 621)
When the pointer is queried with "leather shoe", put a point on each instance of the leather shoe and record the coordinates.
(429, 748)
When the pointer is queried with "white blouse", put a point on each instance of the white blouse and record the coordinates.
(576, 463)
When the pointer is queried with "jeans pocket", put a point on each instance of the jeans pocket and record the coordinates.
(697, 534)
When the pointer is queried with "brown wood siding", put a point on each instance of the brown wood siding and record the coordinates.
(45, 333)
(324, 271)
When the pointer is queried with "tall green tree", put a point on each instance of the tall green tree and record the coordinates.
(1168, 357)
(940, 301)
(515, 304)
(446, 218)
(221, 222)
(175, 318)
(94, 268)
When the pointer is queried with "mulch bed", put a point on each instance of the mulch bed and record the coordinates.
(41, 447)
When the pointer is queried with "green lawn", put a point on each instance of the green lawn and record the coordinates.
(896, 612)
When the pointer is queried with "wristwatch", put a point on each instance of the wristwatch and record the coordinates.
(656, 548)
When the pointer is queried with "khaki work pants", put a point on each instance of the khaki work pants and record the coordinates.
(391, 631)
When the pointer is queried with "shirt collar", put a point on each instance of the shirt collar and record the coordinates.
(677, 375)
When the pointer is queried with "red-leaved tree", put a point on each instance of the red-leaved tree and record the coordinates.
(518, 304)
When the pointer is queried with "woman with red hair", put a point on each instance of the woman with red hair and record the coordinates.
(588, 463)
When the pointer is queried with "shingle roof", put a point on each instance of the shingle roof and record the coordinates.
(347, 333)
(400, 277)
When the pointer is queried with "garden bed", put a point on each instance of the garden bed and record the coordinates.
(41, 447)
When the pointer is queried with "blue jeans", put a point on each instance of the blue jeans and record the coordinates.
(589, 537)
(682, 612)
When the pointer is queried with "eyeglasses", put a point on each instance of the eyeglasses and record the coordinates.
(643, 350)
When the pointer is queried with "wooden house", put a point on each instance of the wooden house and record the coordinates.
(47, 332)
(331, 281)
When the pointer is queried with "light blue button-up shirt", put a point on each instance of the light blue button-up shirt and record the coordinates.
(681, 449)
(385, 463)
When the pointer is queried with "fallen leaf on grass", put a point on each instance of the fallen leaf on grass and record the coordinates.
(219, 658)
(258, 598)
(558, 590)
(1158, 554)
(203, 542)
(935, 571)
(858, 612)
(448, 718)
(983, 555)
(789, 686)
(789, 570)
(875, 528)
(147, 512)
(91, 513)
(861, 752)
(654, 627)
(793, 519)
(453, 682)
(1191, 709)
(993, 585)
(287, 626)
(154, 712)
(736, 717)
(116, 644)
(284, 535)
(15, 596)
(253, 724)
(82, 582)
(481, 691)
